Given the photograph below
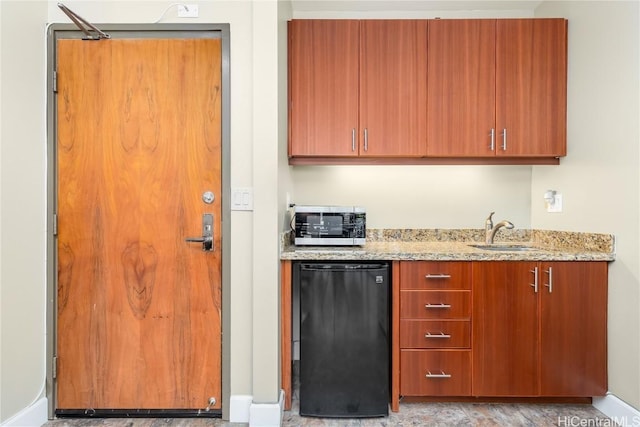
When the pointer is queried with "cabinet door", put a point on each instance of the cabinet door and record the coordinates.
(461, 87)
(531, 82)
(504, 329)
(393, 88)
(323, 87)
(573, 329)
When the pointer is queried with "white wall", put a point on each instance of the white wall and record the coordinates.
(266, 331)
(421, 196)
(254, 157)
(600, 178)
(22, 204)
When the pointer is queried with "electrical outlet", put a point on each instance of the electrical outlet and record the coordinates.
(556, 206)
(187, 10)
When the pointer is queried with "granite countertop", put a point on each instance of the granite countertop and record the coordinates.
(454, 245)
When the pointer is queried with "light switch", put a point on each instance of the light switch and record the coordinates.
(242, 199)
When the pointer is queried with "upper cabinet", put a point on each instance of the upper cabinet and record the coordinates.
(393, 87)
(357, 88)
(531, 87)
(497, 88)
(427, 91)
(461, 87)
(323, 87)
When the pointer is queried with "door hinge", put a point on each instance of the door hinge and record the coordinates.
(54, 367)
(55, 224)
(55, 82)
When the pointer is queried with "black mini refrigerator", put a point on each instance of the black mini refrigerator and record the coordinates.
(344, 339)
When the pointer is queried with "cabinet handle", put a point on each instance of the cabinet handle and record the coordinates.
(366, 139)
(440, 335)
(440, 375)
(437, 276)
(437, 305)
(504, 139)
(353, 139)
(550, 284)
(535, 279)
(493, 139)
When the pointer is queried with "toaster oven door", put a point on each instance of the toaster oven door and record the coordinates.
(329, 228)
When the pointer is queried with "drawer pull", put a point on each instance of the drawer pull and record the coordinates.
(438, 276)
(440, 335)
(437, 305)
(440, 375)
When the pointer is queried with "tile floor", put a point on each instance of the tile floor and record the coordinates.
(410, 414)
(467, 414)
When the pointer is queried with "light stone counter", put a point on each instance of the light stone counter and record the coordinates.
(454, 245)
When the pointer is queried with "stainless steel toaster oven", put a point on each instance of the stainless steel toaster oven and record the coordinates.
(330, 225)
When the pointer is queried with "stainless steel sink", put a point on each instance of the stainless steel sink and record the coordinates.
(502, 247)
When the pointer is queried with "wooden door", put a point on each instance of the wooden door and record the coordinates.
(573, 329)
(531, 85)
(138, 143)
(504, 329)
(323, 87)
(461, 87)
(393, 88)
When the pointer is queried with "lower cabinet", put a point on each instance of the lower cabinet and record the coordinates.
(435, 328)
(539, 329)
(503, 329)
(435, 372)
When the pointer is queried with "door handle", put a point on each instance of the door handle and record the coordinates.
(534, 285)
(207, 233)
(550, 284)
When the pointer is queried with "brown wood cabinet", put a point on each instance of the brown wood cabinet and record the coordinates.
(497, 88)
(323, 87)
(539, 328)
(435, 372)
(573, 329)
(505, 329)
(461, 87)
(493, 329)
(357, 88)
(531, 87)
(434, 332)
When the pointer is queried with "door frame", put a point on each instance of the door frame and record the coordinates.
(57, 32)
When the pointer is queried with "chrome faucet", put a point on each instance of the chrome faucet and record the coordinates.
(490, 231)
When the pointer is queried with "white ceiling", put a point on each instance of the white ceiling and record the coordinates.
(409, 5)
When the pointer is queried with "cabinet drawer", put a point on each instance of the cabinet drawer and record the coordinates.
(435, 333)
(435, 275)
(435, 372)
(435, 304)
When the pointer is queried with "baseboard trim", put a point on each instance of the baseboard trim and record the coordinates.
(32, 416)
(618, 410)
(239, 407)
(267, 414)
